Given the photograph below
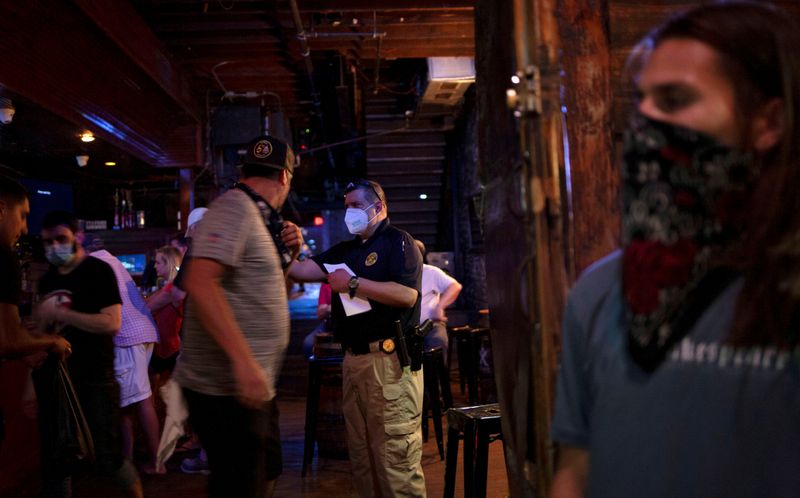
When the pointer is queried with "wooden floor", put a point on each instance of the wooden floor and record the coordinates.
(327, 478)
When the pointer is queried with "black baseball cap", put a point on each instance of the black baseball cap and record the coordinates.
(269, 152)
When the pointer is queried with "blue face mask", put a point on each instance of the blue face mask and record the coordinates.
(60, 254)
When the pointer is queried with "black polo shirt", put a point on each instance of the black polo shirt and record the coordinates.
(388, 256)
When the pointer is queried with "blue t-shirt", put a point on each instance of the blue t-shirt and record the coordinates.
(712, 421)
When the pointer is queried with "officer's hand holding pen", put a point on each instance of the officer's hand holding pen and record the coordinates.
(292, 237)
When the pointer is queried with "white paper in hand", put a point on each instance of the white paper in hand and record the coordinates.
(352, 306)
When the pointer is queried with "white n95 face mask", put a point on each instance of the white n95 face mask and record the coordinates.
(357, 220)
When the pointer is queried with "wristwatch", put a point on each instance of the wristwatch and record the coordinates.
(352, 286)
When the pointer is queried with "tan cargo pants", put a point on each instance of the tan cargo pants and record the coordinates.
(382, 409)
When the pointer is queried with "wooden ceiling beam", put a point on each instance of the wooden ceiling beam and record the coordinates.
(381, 5)
(73, 69)
(461, 30)
(389, 44)
(120, 22)
(415, 53)
(221, 38)
(182, 25)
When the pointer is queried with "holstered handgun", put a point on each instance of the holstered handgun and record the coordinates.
(410, 347)
(402, 347)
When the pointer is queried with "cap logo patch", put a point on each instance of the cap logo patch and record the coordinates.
(262, 149)
(371, 259)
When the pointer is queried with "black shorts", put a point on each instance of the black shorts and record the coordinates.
(243, 445)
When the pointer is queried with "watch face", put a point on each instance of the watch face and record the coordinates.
(353, 283)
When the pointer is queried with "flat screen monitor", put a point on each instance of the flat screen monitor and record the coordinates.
(45, 197)
(134, 263)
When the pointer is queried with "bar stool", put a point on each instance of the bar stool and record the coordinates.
(468, 341)
(318, 368)
(437, 384)
(480, 425)
(454, 335)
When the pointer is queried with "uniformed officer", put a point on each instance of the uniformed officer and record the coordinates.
(382, 402)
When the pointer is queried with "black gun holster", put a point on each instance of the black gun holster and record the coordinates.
(410, 346)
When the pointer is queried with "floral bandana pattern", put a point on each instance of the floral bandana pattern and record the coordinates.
(683, 200)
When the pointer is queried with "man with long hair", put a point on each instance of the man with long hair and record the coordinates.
(679, 369)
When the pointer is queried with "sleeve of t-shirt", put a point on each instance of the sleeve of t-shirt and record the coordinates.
(9, 278)
(406, 263)
(105, 286)
(222, 234)
(573, 403)
(441, 280)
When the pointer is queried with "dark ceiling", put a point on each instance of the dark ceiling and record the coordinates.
(148, 76)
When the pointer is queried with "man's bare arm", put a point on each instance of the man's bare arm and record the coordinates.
(572, 474)
(306, 271)
(107, 322)
(203, 285)
(388, 293)
(16, 342)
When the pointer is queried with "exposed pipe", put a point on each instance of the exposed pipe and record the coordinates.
(305, 51)
(344, 36)
(352, 140)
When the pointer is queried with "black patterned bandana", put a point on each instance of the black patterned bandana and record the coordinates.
(684, 196)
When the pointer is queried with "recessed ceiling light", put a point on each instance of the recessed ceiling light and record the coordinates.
(423, 196)
(110, 163)
(87, 136)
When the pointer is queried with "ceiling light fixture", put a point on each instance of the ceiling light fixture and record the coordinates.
(110, 163)
(87, 136)
(6, 110)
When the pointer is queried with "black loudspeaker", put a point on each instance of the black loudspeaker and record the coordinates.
(236, 124)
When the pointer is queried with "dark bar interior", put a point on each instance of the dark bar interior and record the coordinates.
(495, 133)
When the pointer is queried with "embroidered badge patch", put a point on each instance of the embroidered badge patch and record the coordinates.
(262, 149)
(371, 259)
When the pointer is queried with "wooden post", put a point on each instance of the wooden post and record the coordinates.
(541, 128)
(586, 60)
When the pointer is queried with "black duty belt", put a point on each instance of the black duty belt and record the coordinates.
(387, 346)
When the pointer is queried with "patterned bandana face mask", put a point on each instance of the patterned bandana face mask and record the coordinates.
(684, 200)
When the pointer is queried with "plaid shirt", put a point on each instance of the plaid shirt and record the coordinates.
(138, 326)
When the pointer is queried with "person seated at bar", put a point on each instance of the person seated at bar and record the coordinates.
(679, 373)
